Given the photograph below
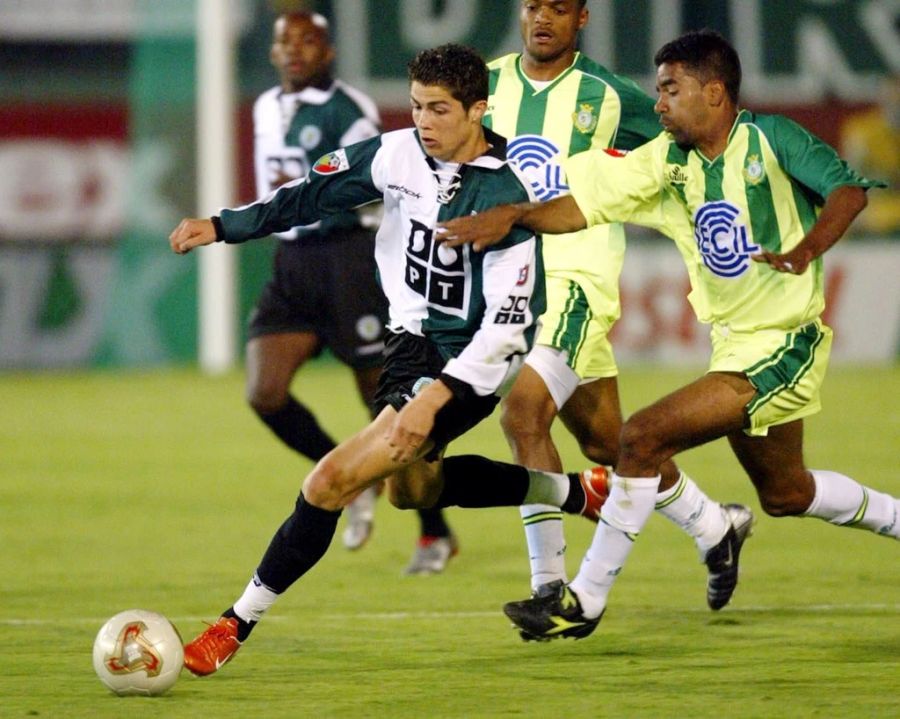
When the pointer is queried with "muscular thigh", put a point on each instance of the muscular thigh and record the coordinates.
(708, 408)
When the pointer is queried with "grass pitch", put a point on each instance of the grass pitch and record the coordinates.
(161, 490)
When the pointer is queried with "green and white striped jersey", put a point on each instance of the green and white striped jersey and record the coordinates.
(479, 308)
(291, 130)
(585, 107)
(763, 192)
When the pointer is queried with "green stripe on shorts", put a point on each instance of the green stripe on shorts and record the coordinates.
(572, 328)
(784, 368)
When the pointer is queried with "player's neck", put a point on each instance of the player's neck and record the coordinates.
(713, 142)
(550, 69)
(320, 83)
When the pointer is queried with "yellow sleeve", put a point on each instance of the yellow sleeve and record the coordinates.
(610, 186)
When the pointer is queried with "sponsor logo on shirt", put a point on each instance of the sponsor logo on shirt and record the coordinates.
(332, 162)
(538, 159)
(435, 271)
(723, 241)
(677, 175)
(523, 275)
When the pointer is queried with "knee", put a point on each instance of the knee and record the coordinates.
(639, 441)
(523, 420)
(265, 396)
(328, 486)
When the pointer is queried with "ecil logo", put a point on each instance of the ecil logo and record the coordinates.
(538, 159)
(723, 242)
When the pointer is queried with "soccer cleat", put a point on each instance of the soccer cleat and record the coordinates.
(431, 555)
(360, 519)
(595, 483)
(722, 560)
(213, 648)
(557, 615)
(544, 590)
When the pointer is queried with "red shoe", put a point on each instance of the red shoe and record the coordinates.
(595, 483)
(215, 647)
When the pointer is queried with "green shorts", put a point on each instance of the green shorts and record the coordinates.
(786, 368)
(578, 318)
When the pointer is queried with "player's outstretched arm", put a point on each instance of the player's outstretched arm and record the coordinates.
(489, 227)
(840, 209)
(191, 233)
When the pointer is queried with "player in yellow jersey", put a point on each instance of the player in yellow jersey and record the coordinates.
(552, 102)
(752, 202)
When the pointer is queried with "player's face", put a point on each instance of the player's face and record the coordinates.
(300, 52)
(550, 27)
(447, 131)
(681, 103)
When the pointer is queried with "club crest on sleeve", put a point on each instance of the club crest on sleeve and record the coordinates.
(332, 162)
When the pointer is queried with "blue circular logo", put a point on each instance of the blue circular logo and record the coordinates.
(723, 242)
(538, 159)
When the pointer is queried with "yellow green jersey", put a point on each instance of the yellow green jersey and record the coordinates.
(764, 192)
(585, 107)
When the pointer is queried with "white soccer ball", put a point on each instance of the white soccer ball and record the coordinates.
(138, 652)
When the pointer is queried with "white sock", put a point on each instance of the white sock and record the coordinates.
(547, 488)
(686, 505)
(546, 543)
(255, 600)
(845, 502)
(626, 510)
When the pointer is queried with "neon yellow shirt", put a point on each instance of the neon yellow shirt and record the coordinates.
(763, 192)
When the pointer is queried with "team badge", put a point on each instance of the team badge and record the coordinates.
(368, 327)
(754, 172)
(309, 136)
(723, 242)
(332, 162)
(585, 119)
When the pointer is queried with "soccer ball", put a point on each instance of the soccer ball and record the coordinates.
(138, 652)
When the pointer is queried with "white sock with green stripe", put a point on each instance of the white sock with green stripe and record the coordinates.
(546, 543)
(845, 502)
(686, 505)
(626, 510)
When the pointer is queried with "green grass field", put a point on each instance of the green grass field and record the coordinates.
(161, 490)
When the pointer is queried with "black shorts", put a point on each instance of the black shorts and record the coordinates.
(411, 362)
(327, 286)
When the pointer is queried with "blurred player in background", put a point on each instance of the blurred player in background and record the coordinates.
(870, 141)
(752, 203)
(552, 102)
(324, 291)
(461, 322)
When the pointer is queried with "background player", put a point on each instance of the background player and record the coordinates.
(306, 306)
(552, 102)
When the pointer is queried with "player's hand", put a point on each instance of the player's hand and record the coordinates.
(482, 230)
(794, 262)
(409, 434)
(191, 233)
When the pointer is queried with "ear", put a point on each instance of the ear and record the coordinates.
(583, 17)
(477, 110)
(715, 93)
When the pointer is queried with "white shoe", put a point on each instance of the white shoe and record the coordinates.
(431, 555)
(360, 519)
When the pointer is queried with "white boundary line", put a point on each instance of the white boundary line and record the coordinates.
(400, 616)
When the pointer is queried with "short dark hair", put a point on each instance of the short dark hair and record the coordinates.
(458, 69)
(708, 55)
